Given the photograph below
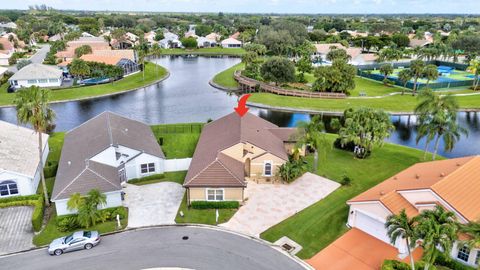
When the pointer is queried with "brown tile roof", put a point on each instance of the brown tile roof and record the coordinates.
(77, 174)
(357, 250)
(94, 43)
(454, 180)
(127, 54)
(325, 48)
(7, 45)
(223, 133)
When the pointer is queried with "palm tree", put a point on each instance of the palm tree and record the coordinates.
(405, 75)
(424, 131)
(416, 66)
(142, 50)
(157, 52)
(401, 226)
(88, 212)
(312, 134)
(437, 115)
(75, 202)
(437, 230)
(474, 67)
(472, 229)
(431, 73)
(32, 108)
(386, 69)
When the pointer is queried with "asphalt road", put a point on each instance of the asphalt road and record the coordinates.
(162, 247)
(37, 58)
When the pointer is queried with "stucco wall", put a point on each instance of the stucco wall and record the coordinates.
(133, 167)
(230, 194)
(114, 199)
(24, 184)
(235, 151)
(25, 83)
(257, 166)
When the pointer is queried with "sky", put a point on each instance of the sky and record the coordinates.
(261, 6)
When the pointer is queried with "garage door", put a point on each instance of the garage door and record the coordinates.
(371, 226)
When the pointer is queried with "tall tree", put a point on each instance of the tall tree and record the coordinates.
(437, 229)
(304, 65)
(312, 135)
(142, 50)
(474, 67)
(278, 70)
(437, 114)
(472, 229)
(386, 69)
(405, 75)
(402, 227)
(33, 108)
(156, 52)
(82, 50)
(430, 72)
(416, 66)
(79, 68)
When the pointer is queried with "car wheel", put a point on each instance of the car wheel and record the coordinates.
(88, 246)
(58, 252)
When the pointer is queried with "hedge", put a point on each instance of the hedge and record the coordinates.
(34, 200)
(215, 205)
(50, 170)
(451, 263)
(146, 178)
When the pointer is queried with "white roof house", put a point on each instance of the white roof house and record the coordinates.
(37, 74)
(170, 40)
(19, 160)
(231, 43)
(204, 42)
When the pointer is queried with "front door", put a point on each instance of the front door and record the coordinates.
(247, 167)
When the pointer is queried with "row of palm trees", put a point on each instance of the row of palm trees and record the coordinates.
(434, 230)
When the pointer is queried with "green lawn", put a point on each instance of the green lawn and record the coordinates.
(127, 83)
(225, 78)
(55, 143)
(397, 103)
(179, 140)
(320, 224)
(51, 232)
(206, 216)
(177, 177)
(205, 51)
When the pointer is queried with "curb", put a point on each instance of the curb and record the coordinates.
(333, 113)
(223, 88)
(190, 225)
(104, 95)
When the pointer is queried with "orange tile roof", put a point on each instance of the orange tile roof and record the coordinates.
(109, 60)
(357, 250)
(454, 180)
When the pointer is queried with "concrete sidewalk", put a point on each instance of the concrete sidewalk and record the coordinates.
(269, 204)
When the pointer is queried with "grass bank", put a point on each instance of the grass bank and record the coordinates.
(178, 140)
(320, 224)
(225, 78)
(205, 51)
(204, 216)
(131, 82)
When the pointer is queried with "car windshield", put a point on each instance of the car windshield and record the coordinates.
(68, 238)
(87, 234)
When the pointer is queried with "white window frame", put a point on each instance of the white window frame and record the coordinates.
(149, 171)
(271, 168)
(4, 182)
(215, 190)
(464, 253)
(477, 258)
(32, 81)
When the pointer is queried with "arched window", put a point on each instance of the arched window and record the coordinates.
(8, 187)
(268, 169)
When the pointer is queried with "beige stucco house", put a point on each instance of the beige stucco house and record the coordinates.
(232, 151)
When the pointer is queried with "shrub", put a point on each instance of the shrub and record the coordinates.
(37, 215)
(215, 205)
(51, 169)
(350, 146)
(67, 223)
(394, 265)
(346, 181)
(33, 197)
(452, 264)
(146, 178)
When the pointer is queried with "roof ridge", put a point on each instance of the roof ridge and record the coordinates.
(71, 182)
(109, 129)
(101, 176)
(206, 167)
(448, 176)
(228, 170)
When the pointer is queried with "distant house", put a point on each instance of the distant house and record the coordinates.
(103, 153)
(355, 53)
(169, 41)
(19, 161)
(150, 37)
(231, 43)
(233, 150)
(6, 51)
(4, 26)
(87, 35)
(426, 40)
(56, 37)
(96, 43)
(125, 63)
(214, 36)
(452, 184)
(321, 50)
(204, 42)
(37, 75)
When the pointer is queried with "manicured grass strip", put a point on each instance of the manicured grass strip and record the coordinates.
(178, 140)
(205, 51)
(51, 232)
(320, 224)
(206, 216)
(176, 177)
(397, 103)
(225, 78)
(128, 83)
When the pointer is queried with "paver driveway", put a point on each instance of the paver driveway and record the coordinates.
(153, 204)
(269, 204)
(16, 231)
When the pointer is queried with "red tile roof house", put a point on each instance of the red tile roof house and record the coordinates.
(453, 184)
(232, 151)
(102, 153)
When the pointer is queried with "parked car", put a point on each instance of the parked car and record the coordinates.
(76, 241)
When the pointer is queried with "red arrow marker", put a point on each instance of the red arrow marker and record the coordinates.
(242, 109)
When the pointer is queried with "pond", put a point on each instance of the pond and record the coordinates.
(186, 96)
